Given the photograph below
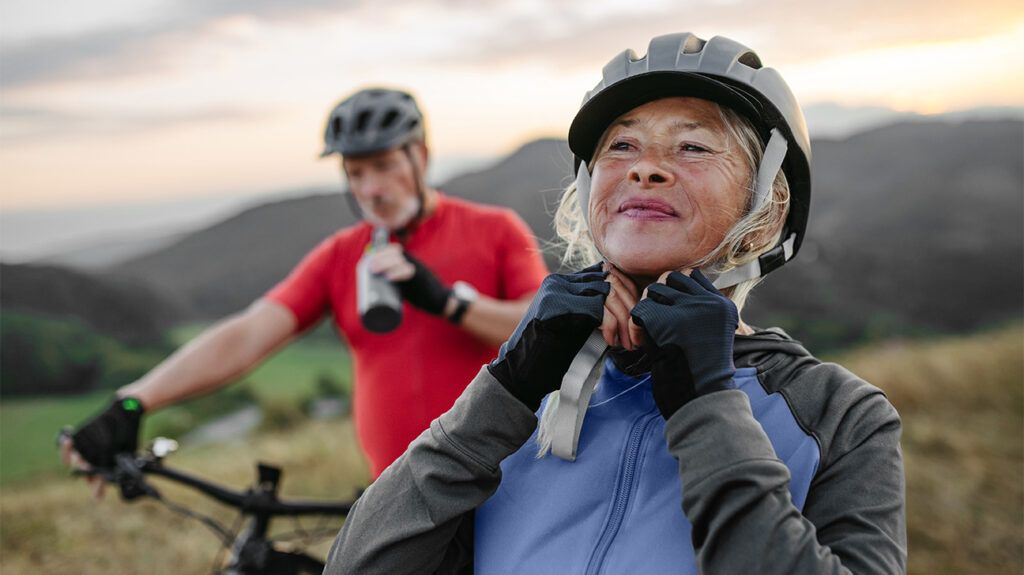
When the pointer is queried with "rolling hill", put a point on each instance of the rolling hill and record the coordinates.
(915, 227)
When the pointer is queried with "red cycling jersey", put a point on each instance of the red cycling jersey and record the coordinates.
(406, 378)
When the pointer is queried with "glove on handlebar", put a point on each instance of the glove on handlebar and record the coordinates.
(563, 314)
(691, 326)
(424, 290)
(115, 430)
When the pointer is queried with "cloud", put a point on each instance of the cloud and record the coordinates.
(117, 52)
(575, 35)
(127, 51)
(276, 10)
(793, 31)
(28, 124)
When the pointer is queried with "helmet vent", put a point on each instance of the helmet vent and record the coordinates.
(693, 45)
(336, 126)
(412, 125)
(389, 118)
(750, 59)
(362, 119)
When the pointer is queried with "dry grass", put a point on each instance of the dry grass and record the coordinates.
(55, 527)
(962, 404)
(961, 399)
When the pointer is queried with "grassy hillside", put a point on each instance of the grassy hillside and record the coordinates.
(128, 310)
(29, 426)
(42, 357)
(962, 403)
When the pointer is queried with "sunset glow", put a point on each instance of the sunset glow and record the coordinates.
(129, 106)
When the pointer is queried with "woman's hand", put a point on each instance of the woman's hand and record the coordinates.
(690, 328)
(615, 327)
(565, 311)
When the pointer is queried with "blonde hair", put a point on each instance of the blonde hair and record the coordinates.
(755, 233)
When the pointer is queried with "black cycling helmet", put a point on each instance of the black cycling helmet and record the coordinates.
(730, 74)
(373, 120)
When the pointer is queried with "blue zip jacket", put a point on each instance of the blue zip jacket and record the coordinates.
(616, 509)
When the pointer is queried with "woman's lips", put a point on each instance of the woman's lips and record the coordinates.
(647, 210)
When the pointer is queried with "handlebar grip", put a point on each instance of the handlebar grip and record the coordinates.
(65, 433)
(126, 474)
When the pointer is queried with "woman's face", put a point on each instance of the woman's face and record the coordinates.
(667, 185)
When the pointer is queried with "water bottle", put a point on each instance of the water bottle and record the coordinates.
(380, 306)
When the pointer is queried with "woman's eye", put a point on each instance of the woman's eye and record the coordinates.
(692, 148)
(619, 146)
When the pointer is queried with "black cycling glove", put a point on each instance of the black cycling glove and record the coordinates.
(563, 314)
(424, 290)
(691, 327)
(115, 430)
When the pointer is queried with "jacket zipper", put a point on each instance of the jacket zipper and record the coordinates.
(622, 493)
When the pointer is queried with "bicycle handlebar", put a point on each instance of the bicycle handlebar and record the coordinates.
(129, 471)
(246, 501)
(252, 551)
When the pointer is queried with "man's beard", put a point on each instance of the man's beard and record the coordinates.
(401, 213)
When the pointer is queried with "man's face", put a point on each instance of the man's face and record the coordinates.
(385, 185)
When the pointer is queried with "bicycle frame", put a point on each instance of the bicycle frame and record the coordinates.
(252, 553)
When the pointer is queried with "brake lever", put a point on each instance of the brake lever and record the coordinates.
(127, 476)
(131, 480)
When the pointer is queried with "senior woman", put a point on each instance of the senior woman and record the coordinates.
(708, 446)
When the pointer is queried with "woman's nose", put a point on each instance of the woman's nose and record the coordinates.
(649, 171)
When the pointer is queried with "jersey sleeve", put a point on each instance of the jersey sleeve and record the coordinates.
(306, 290)
(522, 267)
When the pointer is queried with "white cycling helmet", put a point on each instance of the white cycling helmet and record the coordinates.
(730, 74)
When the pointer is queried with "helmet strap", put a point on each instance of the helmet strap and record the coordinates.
(771, 163)
(765, 263)
(353, 205)
(421, 193)
(583, 191)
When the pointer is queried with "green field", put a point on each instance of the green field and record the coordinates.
(28, 427)
(28, 431)
(293, 372)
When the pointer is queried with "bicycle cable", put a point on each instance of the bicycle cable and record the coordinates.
(315, 533)
(225, 536)
(218, 558)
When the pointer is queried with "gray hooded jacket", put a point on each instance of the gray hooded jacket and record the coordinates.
(418, 516)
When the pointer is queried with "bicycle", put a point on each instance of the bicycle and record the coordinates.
(252, 552)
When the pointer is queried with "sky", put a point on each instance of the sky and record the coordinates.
(115, 101)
